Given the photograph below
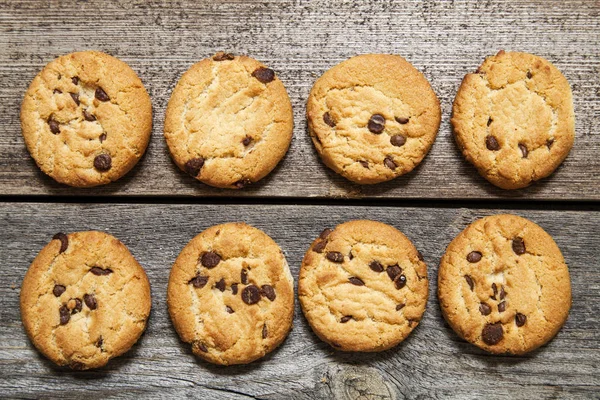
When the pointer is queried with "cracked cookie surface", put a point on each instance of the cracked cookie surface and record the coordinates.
(229, 121)
(86, 119)
(503, 285)
(231, 295)
(373, 117)
(363, 286)
(513, 119)
(84, 299)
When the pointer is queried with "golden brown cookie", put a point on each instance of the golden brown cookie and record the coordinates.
(373, 117)
(86, 119)
(84, 299)
(503, 285)
(363, 286)
(231, 294)
(229, 121)
(513, 119)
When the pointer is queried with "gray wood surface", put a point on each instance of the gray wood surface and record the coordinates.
(300, 40)
(432, 363)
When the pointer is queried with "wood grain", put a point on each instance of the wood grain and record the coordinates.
(432, 363)
(300, 40)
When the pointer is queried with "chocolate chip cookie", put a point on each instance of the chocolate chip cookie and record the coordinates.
(231, 294)
(503, 285)
(84, 299)
(229, 121)
(363, 286)
(373, 117)
(86, 119)
(513, 119)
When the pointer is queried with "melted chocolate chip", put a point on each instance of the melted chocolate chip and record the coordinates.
(335, 256)
(398, 140)
(474, 257)
(328, 119)
(524, 150)
(265, 332)
(58, 290)
(356, 281)
(210, 259)
(495, 290)
(194, 166)
(100, 271)
(99, 342)
(229, 309)
(345, 319)
(529, 75)
(242, 183)
(64, 241)
(75, 80)
(54, 126)
(492, 143)
(364, 163)
(75, 97)
(244, 276)
(268, 292)
(88, 116)
(490, 120)
(400, 281)
(518, 246)
(251, 295)
(247, 140)
(264, 75)
(101, 95)
(326, 232)
(393, 271)
(102, 137)
(492, 333)
(90, 301)
(234, 289)
(319, 246)
(402, 120)
(388, 162)
(484, 309)
(65, 314)
(202, 347)
(399, 306)
(502, 307)
(376, 266)
(221, 285)
(520, 319)
(502, 293)
(376, 123)
(221, 56)
(199, 281)
(103, 162)
(470, 282)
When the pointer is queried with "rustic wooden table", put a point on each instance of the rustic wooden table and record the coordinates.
(155, 210)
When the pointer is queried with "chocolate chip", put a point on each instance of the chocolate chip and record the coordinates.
(490, 120)
(265, 332)
(549, 143)
(90, 301)
(264, 75)
(474, 257)
(345, 319)
(103, 162)
(492, 333)
(251, 294)
(221, 285)
(242, 183)
(234, 288)
(210, 259)
(319, 246)
(529, 75)
(401, 120)
(518, 246)
(328, 119)
(364, 163)
(101, 95)
(356, 281)
(268, 292)
(398, 140)
(58, 290)
(102, 137)
(400, 281)
(100, 271)
(326, 232)
(520, 319)
(523, 149)
(393, 271)
(470, 282)
(495, 290)
(221, 56)
(75, 80)
(77, 307)
(484, 309)
(57, 91)
(334, 344)
(247, 140)
(199, 281)
(491, 143)
(389, 163)
(99, 342)
(376, 123)
(202, 347)
(75, 97)
(399, 307)
(88, 116)
(64, 241)
(502, 293)
(335, 256)
(229, 309)
(420, 256)
(65, 315)
(376, 266)
(502, 307)
(244, 276)
(194, 166)
(54, 126)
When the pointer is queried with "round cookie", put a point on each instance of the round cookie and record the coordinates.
(231, 294)
(503, 285)
(363, 286)
(513, 119)
(229, 121)
(84, 299)
(86, 119)
(373, 117)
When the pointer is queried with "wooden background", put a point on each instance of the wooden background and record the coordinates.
(301, 39)
(155, 210)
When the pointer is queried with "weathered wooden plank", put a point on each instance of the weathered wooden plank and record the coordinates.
(432, 363)
(300, 40)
